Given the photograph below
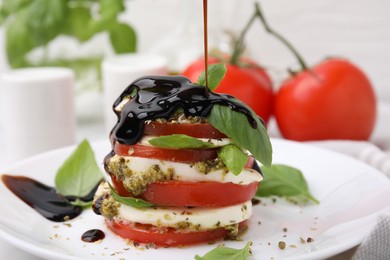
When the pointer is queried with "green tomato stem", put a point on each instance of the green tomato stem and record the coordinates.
(260, 14)
(239, 43)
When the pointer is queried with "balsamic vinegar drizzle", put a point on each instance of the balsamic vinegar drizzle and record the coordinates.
(98, 203)
(205, 44)
(159, 97)
(44, 199)
(93, 235)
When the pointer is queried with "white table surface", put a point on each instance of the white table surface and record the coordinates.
(95, 131)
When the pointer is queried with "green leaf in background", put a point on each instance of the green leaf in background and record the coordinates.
(129, 201)
(34, 24)
(233, 157)
(3, 16)
(285, 181)
(227, 253)
(31, 24)
(45, 19)
(216, 72)
(80, 173)
(9, 7)
(123, 38)
(236, 126)
(108, 13)
(19, 40)
(110, 9)
(179, 141)
(76, 23)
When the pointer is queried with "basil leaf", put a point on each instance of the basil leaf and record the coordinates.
(215, 73)
(129, 201)
(227, 253)
(123, 38)
(283, 180)
(83, 204)
(179, 141)
(80, 173)
(233, 157)
(236, 126)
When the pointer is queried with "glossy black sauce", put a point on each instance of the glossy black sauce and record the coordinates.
(159, 97)
(257, 168)
(44, 199)
(255, 201)
(98, 203)
(93, 235)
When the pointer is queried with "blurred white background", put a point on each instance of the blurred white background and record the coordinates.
(358, 30)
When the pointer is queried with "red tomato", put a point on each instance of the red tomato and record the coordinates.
(182, 155)
(337, 102)
(165, 236)
(195, 194)
(195, 130)
(249, 83)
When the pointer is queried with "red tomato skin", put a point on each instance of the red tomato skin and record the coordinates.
(250, 84)
(200, 194)
(194, 194)
(182, 155)
(199, 130)
(167, 237)
(337, 103)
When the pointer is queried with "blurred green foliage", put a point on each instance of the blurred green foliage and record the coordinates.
(30, 24)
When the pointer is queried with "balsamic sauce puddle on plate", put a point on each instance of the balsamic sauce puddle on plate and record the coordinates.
(44, 199)
(50, 204)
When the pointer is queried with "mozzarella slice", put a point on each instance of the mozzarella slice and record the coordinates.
(187, 172)
(202, 218)
(122, 104)
(199, 218)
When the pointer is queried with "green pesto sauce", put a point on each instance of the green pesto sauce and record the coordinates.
(137, 182)
(109, 207)
(179, 117)
(208, 166)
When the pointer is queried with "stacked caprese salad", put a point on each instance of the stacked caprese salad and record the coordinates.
(170, 181)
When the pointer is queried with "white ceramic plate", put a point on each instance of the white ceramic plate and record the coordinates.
(351, 193)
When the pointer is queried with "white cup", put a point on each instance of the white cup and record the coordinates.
(120, 71)
(37, 110)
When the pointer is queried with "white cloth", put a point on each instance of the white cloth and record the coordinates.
(377, 245)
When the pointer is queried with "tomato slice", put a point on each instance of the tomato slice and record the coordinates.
(166, 236)
(182, 155)
(198, 130)
(194, 194)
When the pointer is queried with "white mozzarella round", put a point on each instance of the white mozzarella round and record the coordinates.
(187, 172)
(204, 218)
